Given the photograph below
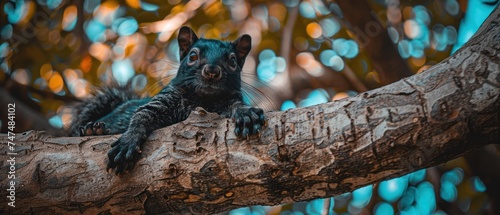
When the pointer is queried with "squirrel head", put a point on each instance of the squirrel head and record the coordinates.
(211, 67)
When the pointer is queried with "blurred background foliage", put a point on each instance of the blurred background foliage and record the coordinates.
(304, 53)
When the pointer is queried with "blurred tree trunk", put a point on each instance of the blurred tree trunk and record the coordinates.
(485, 163)
(199, 166)
(373, 38)
(27, 116)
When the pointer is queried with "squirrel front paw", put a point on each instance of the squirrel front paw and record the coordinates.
(249, 121)
(123, 154)
(93, 128)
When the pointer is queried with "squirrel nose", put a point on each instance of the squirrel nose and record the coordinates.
(212, 72)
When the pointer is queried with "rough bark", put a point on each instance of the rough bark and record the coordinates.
(199, 166)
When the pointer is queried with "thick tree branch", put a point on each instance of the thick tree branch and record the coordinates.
(199, 166)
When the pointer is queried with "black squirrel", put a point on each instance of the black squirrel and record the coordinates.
(209, 76)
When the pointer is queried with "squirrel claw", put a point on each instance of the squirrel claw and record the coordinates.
(248, 120)
(124, 153)
(138, 149)
(93, 128)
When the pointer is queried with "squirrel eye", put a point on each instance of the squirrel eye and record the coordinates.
(232, 61)
(193, 56)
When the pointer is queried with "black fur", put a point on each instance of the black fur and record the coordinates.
(209, 76)
(105, 100)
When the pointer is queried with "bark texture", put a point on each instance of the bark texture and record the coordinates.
(199, 166)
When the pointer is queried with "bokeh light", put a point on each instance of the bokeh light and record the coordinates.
(417, 49)
(100, 51)
(300, 207)
(454, 176)
(122, 70)
(288, 104)
(383, 208)
(337, 63)
(241, 211)
(56, 121)
(326, 57)
(448, 191)
(393, 34)
(22, 76)
(307, 10)
(425, 198)
(69, 18)
(340, 46)
(125, 26)
(79, 88)
(412, 210)
(149, 6)
(40, 83)
(90, 5)
(139, 82)
(412, 29)
(452, 7)
(317, 96)
(330, 27)
(6, 31)
(352, 50)
(95, 30)
(18, 11)
(407, 199)
(315, 206)
(417, 176)
(361, 197)
(314, 30)
(307, 62)
(267, 68)
(477, 184)
(339, 96)
(391, 190)
(4, 49)
(56, 83)
(70, 75)
(421, 15)
(404, 48)
(53, 4)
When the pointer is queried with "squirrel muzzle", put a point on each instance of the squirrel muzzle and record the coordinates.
(211, 72)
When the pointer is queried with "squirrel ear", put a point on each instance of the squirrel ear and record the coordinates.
(186, 39)
(242, 45)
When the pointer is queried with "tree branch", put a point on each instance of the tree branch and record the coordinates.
(199, 166)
